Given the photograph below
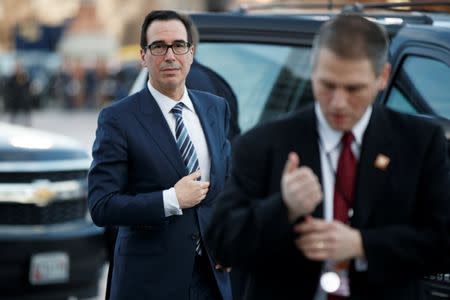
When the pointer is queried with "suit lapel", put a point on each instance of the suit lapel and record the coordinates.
(373, 177)
(205, 113)
(151, 118)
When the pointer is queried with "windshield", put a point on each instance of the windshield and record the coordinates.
(268, 80)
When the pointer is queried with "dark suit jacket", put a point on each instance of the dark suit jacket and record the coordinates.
(402, 212)
(135, 158)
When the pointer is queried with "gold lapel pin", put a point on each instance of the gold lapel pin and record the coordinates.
(382, 162)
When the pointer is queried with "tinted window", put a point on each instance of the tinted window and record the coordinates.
(429, 79)
(268, 80)
(398, 101)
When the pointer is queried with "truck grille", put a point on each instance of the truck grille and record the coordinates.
(30, 214)
(27, 177)
(70, 205)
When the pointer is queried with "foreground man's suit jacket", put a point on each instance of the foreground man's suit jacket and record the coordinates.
(135, 158)
(403, 211)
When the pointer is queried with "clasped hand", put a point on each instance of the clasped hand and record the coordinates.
(300, 188)
(321, 240)
(191, 191)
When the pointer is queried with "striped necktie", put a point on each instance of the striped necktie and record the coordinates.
(184, 142)
(187, 152)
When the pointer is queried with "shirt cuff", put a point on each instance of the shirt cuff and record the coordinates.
(171, 205)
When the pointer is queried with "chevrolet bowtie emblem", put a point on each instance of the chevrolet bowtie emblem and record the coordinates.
(42, 196)
(382, 162)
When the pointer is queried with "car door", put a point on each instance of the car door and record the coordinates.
(266, 59)
(420, 57)
(268, 67)
(419, 85)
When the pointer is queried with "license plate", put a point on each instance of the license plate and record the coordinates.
(48, 268)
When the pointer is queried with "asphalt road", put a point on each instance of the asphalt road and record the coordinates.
(79, 124)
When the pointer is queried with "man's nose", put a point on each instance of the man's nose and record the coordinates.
(169, 54)
(339, 97)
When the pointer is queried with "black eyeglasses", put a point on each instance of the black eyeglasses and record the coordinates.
(160, 48)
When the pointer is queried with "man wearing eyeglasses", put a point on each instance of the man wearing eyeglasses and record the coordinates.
(159, 159)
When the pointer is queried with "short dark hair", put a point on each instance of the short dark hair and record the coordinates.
(352, 36)
(164, 15)
(195, 35)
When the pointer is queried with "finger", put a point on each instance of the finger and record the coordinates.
(303, 176)
(316, 252)
(195, 175)
(311, 225)
(309, 218)
(202, 193)
(317, 255)
(292, 163)
(313, 241)
(204, 184)
(312, 193)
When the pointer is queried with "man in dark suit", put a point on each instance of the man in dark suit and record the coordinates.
(18, 96)
(159, 159)
(345, 199)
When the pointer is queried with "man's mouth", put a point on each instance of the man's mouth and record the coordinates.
(170, 68)
(338, 117)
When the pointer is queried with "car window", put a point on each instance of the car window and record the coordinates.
(268, 80)
(429, 79)
(398, 101)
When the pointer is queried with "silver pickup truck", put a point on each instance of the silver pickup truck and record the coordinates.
(50, 249)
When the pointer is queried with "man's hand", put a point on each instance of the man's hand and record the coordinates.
(190, 191)
(300, 188)
(321, 240)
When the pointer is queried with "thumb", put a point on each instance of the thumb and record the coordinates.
(292, 163)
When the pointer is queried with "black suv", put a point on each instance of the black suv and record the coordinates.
(264, 54)
(50, 247)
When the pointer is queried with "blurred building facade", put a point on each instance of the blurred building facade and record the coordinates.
(120, 19)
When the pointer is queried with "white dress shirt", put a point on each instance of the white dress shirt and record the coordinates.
(195, 131)
(330, 149)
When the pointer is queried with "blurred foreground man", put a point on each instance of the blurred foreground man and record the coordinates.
(344, 200)
(160, 158)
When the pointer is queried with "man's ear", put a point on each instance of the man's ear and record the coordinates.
(142, 54)
(192, 52)
(383, 79)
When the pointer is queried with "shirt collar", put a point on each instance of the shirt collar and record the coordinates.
(166, 103)
(330, 138)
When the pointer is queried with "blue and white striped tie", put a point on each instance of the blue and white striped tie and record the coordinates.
(184, 142)
(187, 151)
